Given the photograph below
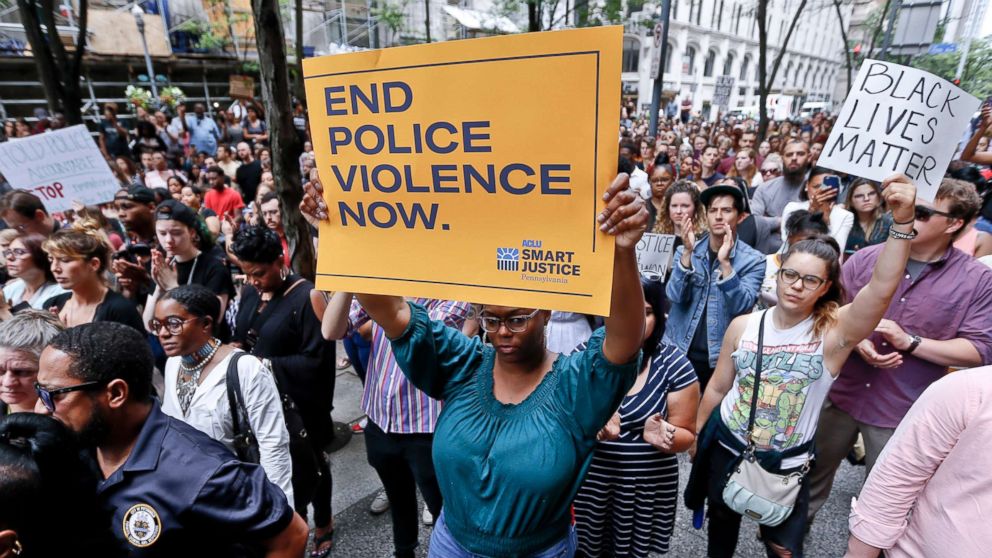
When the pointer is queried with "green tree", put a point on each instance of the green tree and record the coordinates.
(977, 76)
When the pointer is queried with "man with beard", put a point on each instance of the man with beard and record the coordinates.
(170, 489)
(771, 197)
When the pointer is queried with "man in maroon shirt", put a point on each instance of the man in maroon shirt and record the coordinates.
(939, 318)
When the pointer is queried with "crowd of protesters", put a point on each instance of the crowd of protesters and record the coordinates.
(191, 368)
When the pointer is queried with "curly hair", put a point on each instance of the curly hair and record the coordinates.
(196, 299)
(106, 351)
(257, 244)
(664, 224)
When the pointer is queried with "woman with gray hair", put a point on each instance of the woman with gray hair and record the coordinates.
(21, 340)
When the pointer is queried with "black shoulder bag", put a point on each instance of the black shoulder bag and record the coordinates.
(245, 443)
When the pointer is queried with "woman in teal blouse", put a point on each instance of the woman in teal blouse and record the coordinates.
(519, 424)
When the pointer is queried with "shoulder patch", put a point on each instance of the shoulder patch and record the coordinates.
(142, 525)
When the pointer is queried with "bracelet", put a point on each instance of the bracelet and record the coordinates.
(911, 221)
(901, 235)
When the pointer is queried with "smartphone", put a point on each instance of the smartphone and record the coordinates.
(831, 181)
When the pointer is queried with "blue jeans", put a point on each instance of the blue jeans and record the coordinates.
(443, 545)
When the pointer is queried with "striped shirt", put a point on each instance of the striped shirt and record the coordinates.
(389, 399)
(626, 506)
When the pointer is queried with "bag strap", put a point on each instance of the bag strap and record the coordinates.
(235, 398)
(757, 380)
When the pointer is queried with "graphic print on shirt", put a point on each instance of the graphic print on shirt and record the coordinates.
(787, 371)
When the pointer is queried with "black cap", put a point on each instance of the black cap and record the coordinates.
(708, 194)
(138, 194)
(172, 210)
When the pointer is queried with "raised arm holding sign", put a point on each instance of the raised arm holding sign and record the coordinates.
(898, 119)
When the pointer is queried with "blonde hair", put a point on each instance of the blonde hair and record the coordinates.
(8, 235)
(85, 240)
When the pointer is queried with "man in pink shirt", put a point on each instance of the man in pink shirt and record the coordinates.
(929, 495)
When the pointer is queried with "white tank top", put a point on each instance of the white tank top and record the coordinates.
(794, 383)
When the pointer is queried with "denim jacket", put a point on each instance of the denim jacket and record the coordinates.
(692, 291)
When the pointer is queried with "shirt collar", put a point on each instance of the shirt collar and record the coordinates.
(148, 447)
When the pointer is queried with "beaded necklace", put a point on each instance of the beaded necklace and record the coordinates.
(190, 368)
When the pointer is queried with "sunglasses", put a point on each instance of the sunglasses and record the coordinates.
(924, 213)
(47, 396)
(769, 171)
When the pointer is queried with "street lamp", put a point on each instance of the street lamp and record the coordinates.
(139, 19)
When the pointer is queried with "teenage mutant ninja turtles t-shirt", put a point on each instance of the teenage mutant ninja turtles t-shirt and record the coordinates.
(794, 383)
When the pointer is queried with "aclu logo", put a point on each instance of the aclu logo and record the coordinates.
(507, 259)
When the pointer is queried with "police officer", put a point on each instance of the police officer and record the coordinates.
(170, 489)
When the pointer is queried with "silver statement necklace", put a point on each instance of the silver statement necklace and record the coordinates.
(190, 368)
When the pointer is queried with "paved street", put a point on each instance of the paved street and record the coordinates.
(359, 534)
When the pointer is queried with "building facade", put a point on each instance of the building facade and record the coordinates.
(712, 38)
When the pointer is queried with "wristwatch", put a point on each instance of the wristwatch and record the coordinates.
(914, 342)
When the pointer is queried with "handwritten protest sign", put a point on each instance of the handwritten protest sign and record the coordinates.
(898, 119)
(470, 170)
(59, 167)
(654, 255)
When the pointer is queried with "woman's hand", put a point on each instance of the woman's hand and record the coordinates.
(900, 197)
(823, 201)
(164, 274)
(625, 216)
(659, 433)
(688, 233)
(612, 429)
(313, 207)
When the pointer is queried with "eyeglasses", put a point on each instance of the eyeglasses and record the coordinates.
(15, 252)
(173, 325)
(47, 396)
(770, 171)
(515, 324)
(924, 213)
(790, 276)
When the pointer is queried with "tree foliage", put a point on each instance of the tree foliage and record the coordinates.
(977, 76)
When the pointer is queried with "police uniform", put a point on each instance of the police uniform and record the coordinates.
(181, 493)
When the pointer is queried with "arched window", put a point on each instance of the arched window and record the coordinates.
(631, 54)
(745, 67)
(709, 63)
(788, 72)
(728, 64)
(797, 76)
(668, 57)
(689, 61)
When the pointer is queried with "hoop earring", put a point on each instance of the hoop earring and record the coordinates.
(283, 273)
(18, 549)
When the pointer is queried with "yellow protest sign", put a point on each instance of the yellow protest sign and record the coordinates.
(470, 170)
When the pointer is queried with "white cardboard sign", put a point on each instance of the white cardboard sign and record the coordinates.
(59, 167)
(654, 255)
(898, 119)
